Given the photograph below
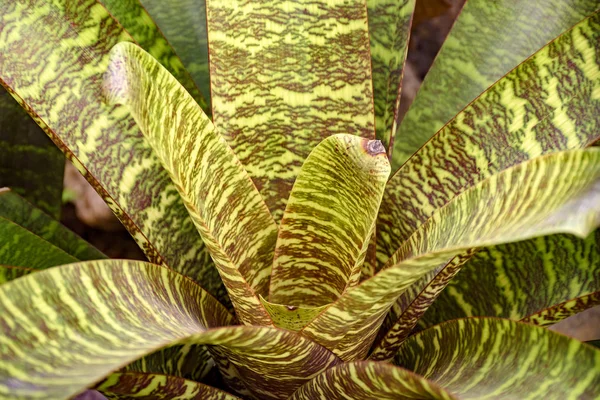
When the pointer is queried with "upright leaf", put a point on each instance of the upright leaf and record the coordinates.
(30, 163)
(555, 193)
(328, 221)
(66, 45)
(547, 104)
(488, 39)
(389, 30)
(227, 209)
(183, 23)
(66, 328)
(284, 76)
(492, 358)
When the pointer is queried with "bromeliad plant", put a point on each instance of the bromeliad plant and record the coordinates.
(326, 260)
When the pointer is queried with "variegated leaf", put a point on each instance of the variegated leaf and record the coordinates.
(284, 76)
(227, 209)
(329, 221)
(8, 273)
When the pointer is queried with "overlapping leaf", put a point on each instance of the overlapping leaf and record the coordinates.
(183, 23)
(546, 195)
(546, 104)
(30, 163)
(227, 209)
(8, 273)
(488, 39)
(389, 30)
(492, 358)
(328, 222)
(61, 84)
(368, 380)
(284, 76)
(522, 280)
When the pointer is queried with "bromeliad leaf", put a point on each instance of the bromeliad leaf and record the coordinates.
(227, 209)
(279, 88)
(508, 206)
(503, 359)
(62, 87)
(328, 222)
(488, 39)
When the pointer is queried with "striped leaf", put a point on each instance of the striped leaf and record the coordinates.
(521, 280)
(291, 75)
(488, 39)
(389, 30)
(18, 210)
(546, 195)
(183, 23)
(228, 211)
(138, 23)
(488, 358)
(328, 221)
(546, 104)
(62, 87)
(368, 380)
(121, 386)
(8, 273)
(30, 163)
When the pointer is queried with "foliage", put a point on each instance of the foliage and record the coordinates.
(286, 251)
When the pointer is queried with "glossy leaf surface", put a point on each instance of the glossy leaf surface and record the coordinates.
(488, 39)
(228, 211)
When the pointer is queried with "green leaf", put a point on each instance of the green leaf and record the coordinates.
(547, 104)
(488, 358)
(291, 75)
(329, 221)
(138, 23)
(18, 210)
(30, 164)
(155, 386)
(555, 193)
(8, 273)
(66, 44)
(65, 328)
(520, 280)
(389, 30)
(229, 213)
(488, 39)
(368, 380)
(595, 343)
(183, 23)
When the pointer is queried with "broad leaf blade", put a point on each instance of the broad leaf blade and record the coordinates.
(546, 104)
(228, 211)
(488, 39)
(389, 30)
(103, 142)
(368, 380)
(183, 23)
(30, 163)
(277, 92)
(328, 221)
(556, 193)
(18, 210)
(492, 358)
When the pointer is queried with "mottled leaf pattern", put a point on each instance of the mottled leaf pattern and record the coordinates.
(329, 221)
(285, 75)
(21, 212)
(183, 23)
(225, 206)
(520, 279)
(368, 380)
(62, 86)
(488, 358)
(8, 273)
(526, 114)
(515, 204)
(488, 39)
(389, 30)
(121, 386)
(30, 163)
